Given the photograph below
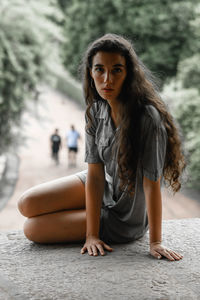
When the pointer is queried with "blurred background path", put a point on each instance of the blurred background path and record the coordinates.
(36, 166)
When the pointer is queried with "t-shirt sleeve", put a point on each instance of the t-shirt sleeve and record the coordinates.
(91, 149)
(155, 142)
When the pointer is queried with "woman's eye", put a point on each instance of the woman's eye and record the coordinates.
(117, 70)
(99, 69)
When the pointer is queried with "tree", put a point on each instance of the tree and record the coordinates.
(186, 91)
(185, 107)
(183, 94)
(159, 29)
(28, 42)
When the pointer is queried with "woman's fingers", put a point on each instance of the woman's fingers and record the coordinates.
(167, 254)
(90, 252)
(93, 249)
(107, 247)
(100, 247)
(83, 249)
(180, 255)
(101, 250)
(175, 255)
(171, 255)
(158, 250)
(155, 254)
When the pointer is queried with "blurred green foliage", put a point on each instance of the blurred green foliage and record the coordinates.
(185, 107)
(161, 30)
(28, 45)
(183, 93)
(64, 4)
(70, 87)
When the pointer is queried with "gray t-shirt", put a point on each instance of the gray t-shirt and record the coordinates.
(124, 218)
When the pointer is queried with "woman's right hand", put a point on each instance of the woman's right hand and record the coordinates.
(93, 244)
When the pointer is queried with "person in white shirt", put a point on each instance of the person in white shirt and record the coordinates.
(72, 145)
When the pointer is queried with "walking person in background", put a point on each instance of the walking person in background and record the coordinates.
(132, 143)
(72, 145)
(55, 141)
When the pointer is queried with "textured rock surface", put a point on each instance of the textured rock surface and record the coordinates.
(33, 271)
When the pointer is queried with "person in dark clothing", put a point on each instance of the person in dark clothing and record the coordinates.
(55, 141)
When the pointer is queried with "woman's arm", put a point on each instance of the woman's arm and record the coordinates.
(94, 195)
(154, 208)
(154, 211)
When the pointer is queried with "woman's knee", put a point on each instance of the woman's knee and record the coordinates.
(25, 203)
(31, 230)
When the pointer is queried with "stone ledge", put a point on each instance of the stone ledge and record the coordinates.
(33, 271)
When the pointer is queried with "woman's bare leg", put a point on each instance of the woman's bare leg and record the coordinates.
(58, 227)
(65, 193)
(55, 211)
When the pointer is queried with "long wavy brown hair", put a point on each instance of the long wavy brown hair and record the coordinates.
(139, 89)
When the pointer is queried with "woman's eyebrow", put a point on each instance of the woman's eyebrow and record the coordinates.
(115, 65)
(119, 65)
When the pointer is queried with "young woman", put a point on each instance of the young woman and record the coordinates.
(131, 144)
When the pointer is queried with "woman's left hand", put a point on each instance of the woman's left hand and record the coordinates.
(158, 251)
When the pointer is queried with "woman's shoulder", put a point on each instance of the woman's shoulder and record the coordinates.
(151, 116)
(96, 106)
(152, 112)
(98, 109)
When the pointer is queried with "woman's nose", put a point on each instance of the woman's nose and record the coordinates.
(107, 77)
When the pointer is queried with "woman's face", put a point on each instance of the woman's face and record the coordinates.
(108, 72)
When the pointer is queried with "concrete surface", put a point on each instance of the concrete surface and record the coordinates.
(51, 272)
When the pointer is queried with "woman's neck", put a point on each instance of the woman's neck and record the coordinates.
(114, 112)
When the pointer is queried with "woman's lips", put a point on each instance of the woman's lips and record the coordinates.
(107, 90)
